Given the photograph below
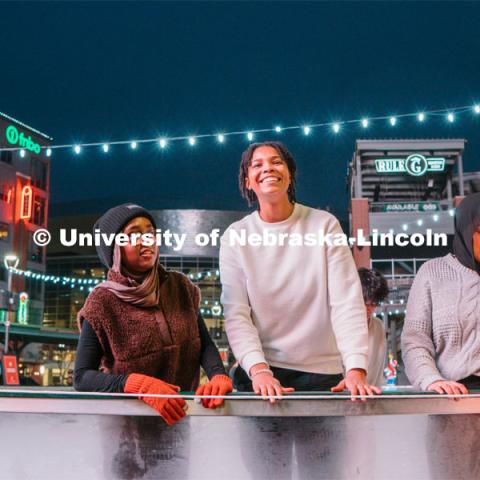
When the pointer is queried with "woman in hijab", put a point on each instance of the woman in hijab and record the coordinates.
(441, 335)
(142, 326)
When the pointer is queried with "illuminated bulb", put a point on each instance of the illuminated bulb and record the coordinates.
(278, 129)
(22, 152)
(365, 122)
(420, 222)
(391, 230)
(105, 147)
(435, 218)
(476, 108)
(421, 117)
(49, 152)
(307, 130)
(450, 117)
(221, 138)
(162, 142)
(393, 121)
(250, 136)
(133, 145)
(192, 141)
(336, 127)
(77, 149)
(404, 227)
(451, 212)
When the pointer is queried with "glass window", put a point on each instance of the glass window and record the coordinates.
(35, 253)
(6, 156)
(39, 211)
(39, 173)
(4, 231)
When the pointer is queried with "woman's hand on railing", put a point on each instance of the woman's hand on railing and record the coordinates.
(356, 382)
(447, 386)
(265, 384)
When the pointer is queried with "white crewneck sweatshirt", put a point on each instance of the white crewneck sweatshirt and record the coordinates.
(295, 307)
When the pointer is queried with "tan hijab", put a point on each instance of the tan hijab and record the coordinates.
(143, 291)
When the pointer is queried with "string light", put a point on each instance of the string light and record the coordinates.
(450, 113)
(22, 153)
(105, 147)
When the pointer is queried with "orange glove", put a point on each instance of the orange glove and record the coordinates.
(171, 409)
(218, 385)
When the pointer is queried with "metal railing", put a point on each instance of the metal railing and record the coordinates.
(398, 268)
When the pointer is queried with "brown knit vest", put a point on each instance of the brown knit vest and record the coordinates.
(161, 342)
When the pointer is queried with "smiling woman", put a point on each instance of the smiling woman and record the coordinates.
(142, 326)
(294, 315)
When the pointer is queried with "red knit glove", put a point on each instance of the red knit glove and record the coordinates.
(218, 385)
(171, 409)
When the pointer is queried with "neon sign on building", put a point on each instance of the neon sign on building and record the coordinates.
(415, 165)
(26, 203)
(14, 137)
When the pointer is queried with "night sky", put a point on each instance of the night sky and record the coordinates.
(84, 72)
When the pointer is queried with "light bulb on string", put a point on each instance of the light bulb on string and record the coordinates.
(162, 142)
(393, 121)
(221, 138)
(364, 122)
(336, 127)
(133, 145)
(250, 136)
(306, 130)
(421, 117)
(105, 147)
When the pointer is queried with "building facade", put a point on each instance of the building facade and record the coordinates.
(24, 194)
(404, 187)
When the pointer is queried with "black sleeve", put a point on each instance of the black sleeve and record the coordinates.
(86, 377)
(210, 358)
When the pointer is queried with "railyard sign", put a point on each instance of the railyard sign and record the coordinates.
(415, 165)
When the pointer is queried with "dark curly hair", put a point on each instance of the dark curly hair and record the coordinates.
(374, 285)
(246, 161)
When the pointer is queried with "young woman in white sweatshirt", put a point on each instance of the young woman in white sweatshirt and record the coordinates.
(294, 315)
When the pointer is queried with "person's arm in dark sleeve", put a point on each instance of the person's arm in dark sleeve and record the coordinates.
(86, 377)
(209, 356)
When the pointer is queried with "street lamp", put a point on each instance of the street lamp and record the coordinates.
(10, 262)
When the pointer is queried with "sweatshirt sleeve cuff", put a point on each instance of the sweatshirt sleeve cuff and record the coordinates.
(356, 361)
(251, 359)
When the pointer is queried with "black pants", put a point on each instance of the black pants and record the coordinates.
(471, 382)
(300, 381)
